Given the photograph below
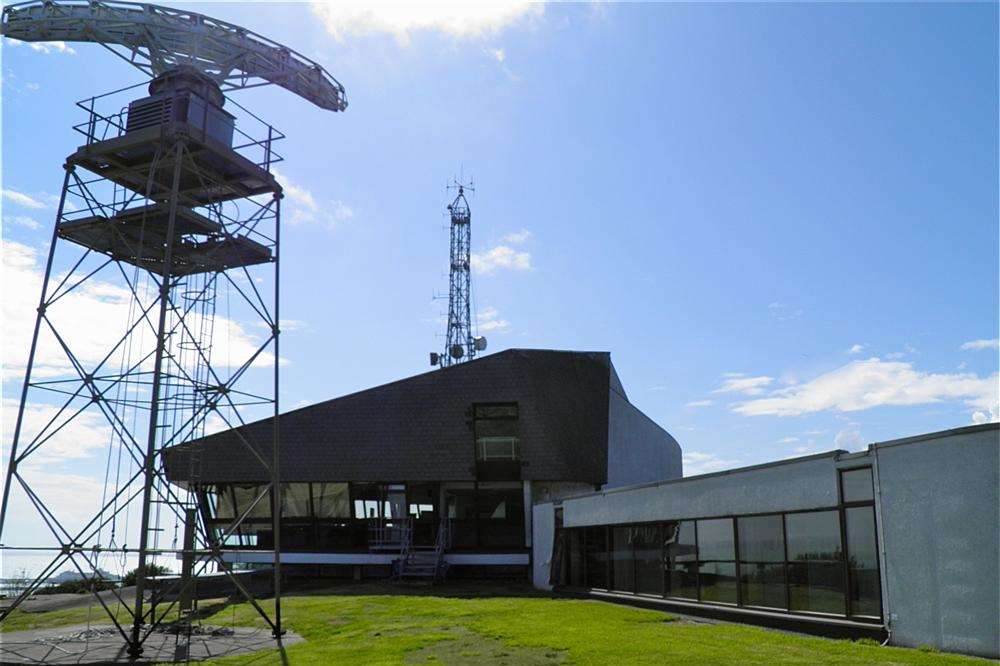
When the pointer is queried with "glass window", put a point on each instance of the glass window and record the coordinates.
(500, 512)
(295, 500)
(460, 505)
(369, 499)
(857, 485)
(762, 561)
(245, 496)
(597, 557)
(576, 557)
(331, 500)
(815, 562)
(681, 554)
(862, 560)
(496, 428)
(648, 560)
(221, 501)
(716, 560)
(622, 560)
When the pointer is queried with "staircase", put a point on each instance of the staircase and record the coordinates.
(425, 564)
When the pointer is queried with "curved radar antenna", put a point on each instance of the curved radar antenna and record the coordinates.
(158, 39)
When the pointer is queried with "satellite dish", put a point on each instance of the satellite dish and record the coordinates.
(435, 358)
(457, 351)
(479, 343)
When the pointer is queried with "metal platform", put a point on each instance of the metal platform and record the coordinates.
(215, 172)
(138, 236)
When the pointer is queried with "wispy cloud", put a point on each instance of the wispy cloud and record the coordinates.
(467, 20)
(856, 349)
(501, 257)
(782, 312)
(788, 440)
(23, 200)
(304, 208)
(498, 54)
(22, 221)
(736, 382)
(861, 385)
(849, 439)
(978, 345)
(488, 320)
(697, 462)
(694, 404)
(44, 47)
(517, 237)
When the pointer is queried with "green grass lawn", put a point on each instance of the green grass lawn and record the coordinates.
(380, 624)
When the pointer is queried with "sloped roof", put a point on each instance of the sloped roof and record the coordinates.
(420, 428)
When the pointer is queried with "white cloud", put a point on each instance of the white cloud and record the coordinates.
(517, 237)
(498, 54)
(871, 383)
(698, 403)
(488, 320)
(736, 382)
(696, 462)
(788, 440)
(23, 200)
(303, 207)
(501, 257)
(470, 20)
(782, 312)
(80, 437)
(849, 439)
(96, 312)
(978, 345)
(22, 221)
(856, 349)
(44, 47)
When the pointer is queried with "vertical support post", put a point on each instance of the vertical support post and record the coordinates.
(135, 645)
(187, 559)
(12, 462)
(276, 459)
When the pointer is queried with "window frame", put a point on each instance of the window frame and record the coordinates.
(845, 545)
(480, 456)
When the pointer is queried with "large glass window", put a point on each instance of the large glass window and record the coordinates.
(331, 500)
(622, 564)
(597, 557)
(460, 505)
(856, 485)
(862, 560)
(245, 497)
(648, 559)
(815, 562)
(576, 558)
(500, 510)
(295, 500)
(680, 552)
(496, 430)
(762, 561)
(716, 561)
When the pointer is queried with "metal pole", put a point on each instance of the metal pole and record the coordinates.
(12, 463)
(275, 464)
(135, 645)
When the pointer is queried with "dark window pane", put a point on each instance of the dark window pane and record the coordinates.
(331, 500)
(623, 573)
(245, 497)
(816, 586)
(715, 539)
(857, 485)
(295, 500)
(597, 557)
(500, 509)
(221, 498)
(761, 539)
(763, 584)
(813, 536)
(460, 504)
(648, 560)
(576, 557)
(718, 582)
(496, 411)
(680, 552)
(862, 559)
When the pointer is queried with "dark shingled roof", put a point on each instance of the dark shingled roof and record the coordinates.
(420, 428)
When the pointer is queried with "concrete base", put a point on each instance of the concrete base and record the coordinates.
(104, 645)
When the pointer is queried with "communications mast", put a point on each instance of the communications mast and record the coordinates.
(172, 199)
(460, 342)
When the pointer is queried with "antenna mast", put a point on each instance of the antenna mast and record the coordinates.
(461, 344)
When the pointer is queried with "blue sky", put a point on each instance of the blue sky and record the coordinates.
(781, 220)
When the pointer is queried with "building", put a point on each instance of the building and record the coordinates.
(898, 542)
(450, 460)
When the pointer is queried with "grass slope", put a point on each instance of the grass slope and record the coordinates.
(368, 624)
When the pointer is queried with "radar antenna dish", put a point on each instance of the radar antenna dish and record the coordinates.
(156, 39)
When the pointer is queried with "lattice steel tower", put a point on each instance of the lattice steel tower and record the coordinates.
(461, 344)
(170, 198)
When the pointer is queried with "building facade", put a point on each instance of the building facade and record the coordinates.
(898, 542)
(457, 455)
